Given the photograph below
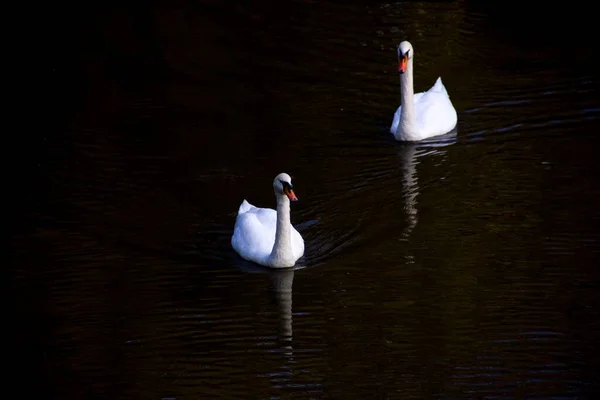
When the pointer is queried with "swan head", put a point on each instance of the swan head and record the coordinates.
(282, 184)
(405, 52)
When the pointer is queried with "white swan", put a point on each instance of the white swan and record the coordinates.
(421, 115)
(266, 236)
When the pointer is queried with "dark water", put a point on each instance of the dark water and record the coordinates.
(466, 267)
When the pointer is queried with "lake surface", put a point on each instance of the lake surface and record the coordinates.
(464, 267)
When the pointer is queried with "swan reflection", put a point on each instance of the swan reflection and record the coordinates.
(281, 288)
(409, 155)
(280, 292)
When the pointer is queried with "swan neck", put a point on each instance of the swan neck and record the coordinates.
(407, 113)
(282, 249)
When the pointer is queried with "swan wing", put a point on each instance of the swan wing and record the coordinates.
(435, 113)
(297, 244)
(254, 232)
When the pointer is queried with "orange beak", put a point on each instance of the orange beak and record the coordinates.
(403, 64)
(290, 194)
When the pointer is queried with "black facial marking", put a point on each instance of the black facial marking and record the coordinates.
(286, 185)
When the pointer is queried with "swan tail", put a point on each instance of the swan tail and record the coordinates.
(244, 207)
(438, 86)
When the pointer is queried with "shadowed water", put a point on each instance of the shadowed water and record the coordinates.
(461, 267)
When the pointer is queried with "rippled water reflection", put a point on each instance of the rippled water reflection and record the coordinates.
(461, 267)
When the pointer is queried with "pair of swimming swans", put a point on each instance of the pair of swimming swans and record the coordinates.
(267, 237)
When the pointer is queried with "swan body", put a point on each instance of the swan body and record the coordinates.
(266, 236)
(420, 115)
